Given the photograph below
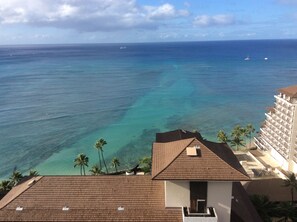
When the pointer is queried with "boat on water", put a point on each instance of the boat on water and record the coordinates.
(247, 58)
(123, 47)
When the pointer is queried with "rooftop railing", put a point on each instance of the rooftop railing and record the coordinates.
(209, 216)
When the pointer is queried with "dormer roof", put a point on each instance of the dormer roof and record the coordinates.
(215, 162)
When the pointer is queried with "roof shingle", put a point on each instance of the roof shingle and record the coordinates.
(92, 198)
(212, 164)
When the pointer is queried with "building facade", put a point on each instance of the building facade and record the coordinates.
(278, 132)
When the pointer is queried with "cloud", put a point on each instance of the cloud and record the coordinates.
(164, 11)
(215, 20)
(91, 15)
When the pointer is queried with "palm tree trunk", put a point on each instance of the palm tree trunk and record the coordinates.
(104, 161)
(116, 168)
(84, 170)
(250, 140)
(100, 164)
(81, 170)
(292, 195)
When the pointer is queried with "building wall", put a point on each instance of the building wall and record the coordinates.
(281, 160)
(293, 156)
(294, 167)
(219, 197)
(177, 194)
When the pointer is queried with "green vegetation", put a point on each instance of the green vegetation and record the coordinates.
(291, 182)
(249, 130)
(15, 177)
(222, 137)
(82, 161)
(237, 133)
(274, 211)
(277, 211)
(265, 208)
(5, 185)
(99, 146)
(33, 173)
(115, 163)
(95, 170)
(237, 136)
(145, 164)
(287, 212)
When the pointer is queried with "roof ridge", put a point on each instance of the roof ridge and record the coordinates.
(227, 162)
(192, 139)
(12, 198)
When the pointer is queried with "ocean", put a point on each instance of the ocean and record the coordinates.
(57, 100)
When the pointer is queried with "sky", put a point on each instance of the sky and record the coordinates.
(125, 21)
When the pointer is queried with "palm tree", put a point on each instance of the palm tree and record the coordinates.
(237, 134)
(291, 182)
(5, 185)
(82, 161)
(237, 141)
(95, 171)
(222, 137)
(265, 208)
(237, 131)
(146, 164)
(249, 129)
(287, 211)
(115, 163)
(33, 173)
(15, 177)
(99, 146)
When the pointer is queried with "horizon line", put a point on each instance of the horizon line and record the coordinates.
(130, 43)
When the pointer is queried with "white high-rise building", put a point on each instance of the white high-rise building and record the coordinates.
(278, 133)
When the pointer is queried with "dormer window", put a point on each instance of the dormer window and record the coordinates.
(193, 151)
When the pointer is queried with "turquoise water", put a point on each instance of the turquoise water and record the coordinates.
(56, 101)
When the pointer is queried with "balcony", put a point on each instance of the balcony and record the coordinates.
(209, 216)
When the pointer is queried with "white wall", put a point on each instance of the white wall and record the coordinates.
(281, 160)
(219, 195)
(292, 164)
(177, 194)
(294, 167)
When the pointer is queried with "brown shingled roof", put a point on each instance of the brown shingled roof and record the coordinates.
(215, 165)
(92, 198)
(18, 190)
(289, 91)
(165, 153)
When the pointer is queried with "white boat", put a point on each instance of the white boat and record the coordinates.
(247, 58)
(123, 47)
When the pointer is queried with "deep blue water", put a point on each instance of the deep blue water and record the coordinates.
(57, 100)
